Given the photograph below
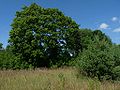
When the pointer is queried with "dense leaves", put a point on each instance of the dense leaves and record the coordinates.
(6, 58)
(101, 60)
(39, 35)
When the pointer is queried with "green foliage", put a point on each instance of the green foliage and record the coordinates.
(89, 37)
(100, 62)
(74, 42)
(5, 59)
(9, 61)
(39, 36)
(116, 72)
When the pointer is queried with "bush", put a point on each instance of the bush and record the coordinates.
(5, 59)
(16, 63)
(102, 64)
(9, 61)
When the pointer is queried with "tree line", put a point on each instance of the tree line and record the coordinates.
(43, 37)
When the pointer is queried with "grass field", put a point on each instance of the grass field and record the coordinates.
(51, 79)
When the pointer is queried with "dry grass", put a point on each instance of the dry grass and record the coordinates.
(54, 79)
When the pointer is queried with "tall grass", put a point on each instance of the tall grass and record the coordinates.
(51, 79)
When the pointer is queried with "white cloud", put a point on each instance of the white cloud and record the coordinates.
(103, 26)
(114, 19)
(116, 30)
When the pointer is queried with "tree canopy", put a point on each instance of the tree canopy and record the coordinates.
(39, 36)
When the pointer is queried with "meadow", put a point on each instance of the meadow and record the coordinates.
(51, 79)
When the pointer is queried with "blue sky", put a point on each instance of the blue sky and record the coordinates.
(92, 14)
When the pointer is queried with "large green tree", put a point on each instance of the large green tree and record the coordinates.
(39, 36)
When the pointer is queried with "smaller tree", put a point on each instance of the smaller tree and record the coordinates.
(6, 58)
(100, 60)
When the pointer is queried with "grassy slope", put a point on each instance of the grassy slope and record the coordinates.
(56, 79)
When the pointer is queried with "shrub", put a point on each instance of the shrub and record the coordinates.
(9, 61)
(102, 64)
(5, 59)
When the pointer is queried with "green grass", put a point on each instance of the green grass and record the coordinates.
(51, 79)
